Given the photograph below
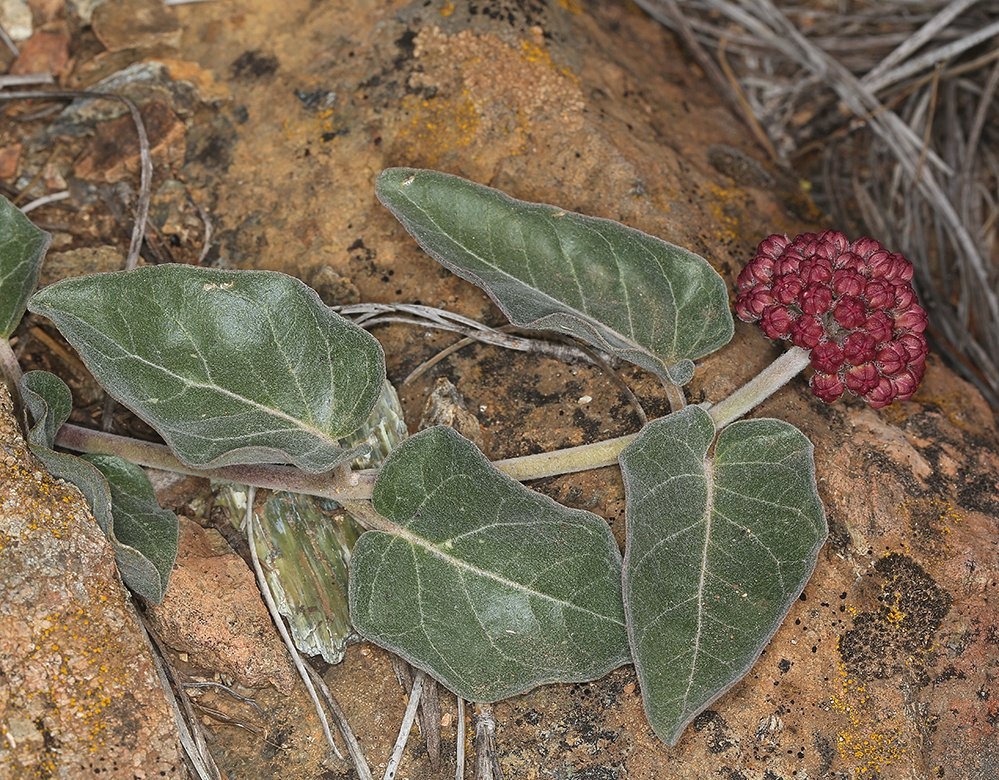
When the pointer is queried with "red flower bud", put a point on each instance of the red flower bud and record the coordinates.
(850, 312)
(827, 387)
(880, 325)
(905, 384)
(848, 281)
(787, 289)
(912, 319)
(807, 331)
(827, 357)
(776, 322)
(905, 297)
(816, 270)
(773, 246)
(879, 294)
(862, 379)
(816, 299)
(859, 347)
(892, 358)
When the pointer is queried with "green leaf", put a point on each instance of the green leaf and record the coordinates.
(143, 536)
(22, 247)
(626, 293)
(719, 546)
(139, 524)
(229, 367)
(491, 587)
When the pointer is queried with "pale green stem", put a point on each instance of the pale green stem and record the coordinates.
(350, 485)
(567, 461)
(760, 387)
(355, 486)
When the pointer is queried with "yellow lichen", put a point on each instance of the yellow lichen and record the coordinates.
(460, 104)
(871, 740)
(725, 204)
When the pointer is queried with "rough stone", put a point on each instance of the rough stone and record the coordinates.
(213, 612)
(886, 665)
(79, 693)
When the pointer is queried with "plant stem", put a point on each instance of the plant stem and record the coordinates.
(352, 485)
(761, 387)
(357, 485)
(567, 461)
(10, 369)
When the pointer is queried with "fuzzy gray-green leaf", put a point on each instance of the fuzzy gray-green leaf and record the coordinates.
(143, 536)
(718, 548)
(22, 247)
(491, 587)
(625, 292)
(140, 524)
(229, 367)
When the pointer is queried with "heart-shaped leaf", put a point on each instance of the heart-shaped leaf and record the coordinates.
(229, 367)
(626, 293)
(491, 587)
(719, 547)
(143, 535)
(22, 247)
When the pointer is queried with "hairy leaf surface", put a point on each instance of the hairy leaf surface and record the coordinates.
(22, 247)
(718, 548)
(491, 587)
(626, 293)
(143, 535)
(229, 367)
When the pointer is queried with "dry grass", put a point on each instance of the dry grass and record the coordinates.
(890, 109)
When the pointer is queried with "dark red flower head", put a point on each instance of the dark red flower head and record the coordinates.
(851, 304)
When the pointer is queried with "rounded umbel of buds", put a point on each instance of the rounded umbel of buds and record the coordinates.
(851, 303)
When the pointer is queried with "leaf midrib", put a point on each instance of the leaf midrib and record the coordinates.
(277, 413)
(629, 340)
(403, 534)
(708, 513)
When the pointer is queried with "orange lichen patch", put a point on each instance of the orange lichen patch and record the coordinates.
(447, 9)
(204, 80)
(727, 206)
(461, 106)
(448, 123)
(871, 741)
(572, 6)
(81, 693)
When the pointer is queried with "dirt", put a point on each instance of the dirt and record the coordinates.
(268, 124)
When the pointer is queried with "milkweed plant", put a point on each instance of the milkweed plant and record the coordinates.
(486, 585)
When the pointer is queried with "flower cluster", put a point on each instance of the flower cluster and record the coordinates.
(851, 304)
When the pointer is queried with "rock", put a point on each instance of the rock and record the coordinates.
(79, 693)
(47, 51)
(213, 612)
(10, 156)
(113, 153)
(884, 666)
(15, 16)
(135, 24)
